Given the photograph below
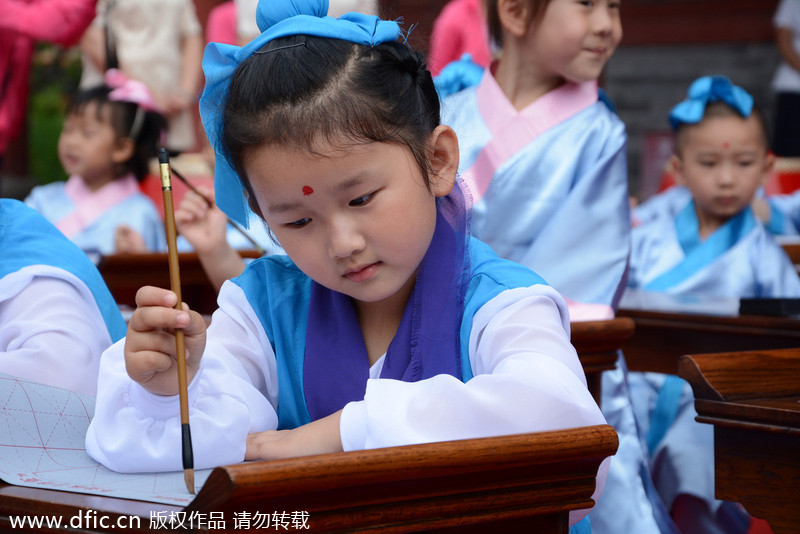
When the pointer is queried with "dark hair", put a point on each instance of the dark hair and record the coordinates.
(298, 91)
(122, 116)
(537, 8)
(721, 109)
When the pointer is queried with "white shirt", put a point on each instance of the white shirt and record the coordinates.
(787, 16)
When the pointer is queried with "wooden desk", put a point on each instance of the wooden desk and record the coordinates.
(664, 332)
(507, 483)
(753, 400)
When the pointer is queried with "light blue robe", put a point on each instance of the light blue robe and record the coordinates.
(785, 219)
(665, 204)
(740, 259)
(136, 211)
(550, 191)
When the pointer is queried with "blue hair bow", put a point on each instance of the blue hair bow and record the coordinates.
(275, 19)
(707, 90)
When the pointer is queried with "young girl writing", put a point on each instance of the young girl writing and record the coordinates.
(545, 161)
(109, 135)
(385, 324)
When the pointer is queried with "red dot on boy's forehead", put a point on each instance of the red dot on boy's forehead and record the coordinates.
(307, 190)
(726, 144)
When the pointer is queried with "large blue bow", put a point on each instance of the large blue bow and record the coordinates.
(707, 90)
(275, 18)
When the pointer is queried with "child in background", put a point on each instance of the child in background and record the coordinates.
(711, 243)
(713, 247)
(538, 148)
(545, 161)
(56, 313)
(385, 324)
(109, 136)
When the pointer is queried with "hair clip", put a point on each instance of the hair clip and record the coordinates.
(279, 48)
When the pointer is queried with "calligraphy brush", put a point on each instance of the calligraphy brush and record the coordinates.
(180, 347)
(233, 223)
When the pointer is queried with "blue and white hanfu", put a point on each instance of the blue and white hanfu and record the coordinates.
(784, 213)
(550, 191)
(546, 182)
(56, 313)
(514, 353)
(740, 259)
(90, 218)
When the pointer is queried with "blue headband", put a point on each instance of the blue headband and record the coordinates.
(275, 18)
(707, 90)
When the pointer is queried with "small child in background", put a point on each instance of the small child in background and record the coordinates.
(710, 242)
(109, 136)
(56, 313)
(712, 246)
(386, 323)
(545, 161)
(544, 158)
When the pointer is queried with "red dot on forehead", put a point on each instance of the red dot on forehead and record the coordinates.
(726, 144)
(307, 190)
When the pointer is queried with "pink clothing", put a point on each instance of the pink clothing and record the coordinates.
(514, 129)
(221, 24)
(22, 24)
(91, 205)
(459, 28)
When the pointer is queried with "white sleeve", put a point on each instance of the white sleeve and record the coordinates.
(136, 431)
(51, 329)
(787, 15)
(527, 378)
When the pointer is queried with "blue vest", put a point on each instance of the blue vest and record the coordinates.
(279, 294)
(27, 238)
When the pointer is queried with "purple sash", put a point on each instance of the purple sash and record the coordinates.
(427, 343)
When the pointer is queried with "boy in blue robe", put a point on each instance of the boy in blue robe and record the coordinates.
(707, 243)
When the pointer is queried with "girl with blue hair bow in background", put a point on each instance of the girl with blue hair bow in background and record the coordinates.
(386, 323)
(704, 240)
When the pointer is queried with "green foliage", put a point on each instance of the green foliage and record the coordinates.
(55, 74)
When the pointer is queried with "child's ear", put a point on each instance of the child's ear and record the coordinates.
(444, 160)
(123, 150)
(514, 16)
(769, 167)
(675, 166)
